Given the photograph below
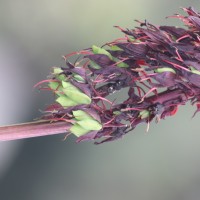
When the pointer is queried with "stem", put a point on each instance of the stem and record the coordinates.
(167, 96)
(173, 94)
(32, 129)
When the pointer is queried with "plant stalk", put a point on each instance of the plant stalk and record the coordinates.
(32, 129)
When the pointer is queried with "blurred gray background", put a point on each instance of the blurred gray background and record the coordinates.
(161, 164)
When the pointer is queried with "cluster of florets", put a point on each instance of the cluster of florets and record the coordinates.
(160, 66)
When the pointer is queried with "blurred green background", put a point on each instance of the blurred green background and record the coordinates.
(162, 164)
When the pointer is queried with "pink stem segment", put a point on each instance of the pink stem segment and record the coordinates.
(32, 129)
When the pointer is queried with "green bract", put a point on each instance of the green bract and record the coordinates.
(194, 70)
(144, 114)
(68, 94)
(77, 96)
(66, 101)
(94, 65)
(78, 130)
(80, 115)
(57, 70)
(84, 123)
(90, 124)
(78, 78)
(115, 48)
(69, 86)
(165, 69)
(98, 50)
(54, 85)
(120, 64)
(117, 112)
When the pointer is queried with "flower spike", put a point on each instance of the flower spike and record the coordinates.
(160, 66)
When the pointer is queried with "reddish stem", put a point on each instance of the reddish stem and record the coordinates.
(167, 96)
(174, 94)
(32, 129)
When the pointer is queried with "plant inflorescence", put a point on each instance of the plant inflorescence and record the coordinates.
(159, 65)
